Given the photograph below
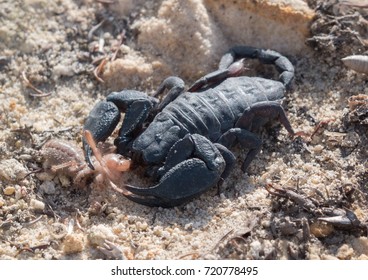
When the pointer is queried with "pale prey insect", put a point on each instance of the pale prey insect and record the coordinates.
(64, 157)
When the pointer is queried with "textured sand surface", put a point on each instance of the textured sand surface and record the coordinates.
(57, 46)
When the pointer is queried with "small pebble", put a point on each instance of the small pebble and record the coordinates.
(328, 257)
(48, 187)
(157, 231)
(255, 249)
(360, 245)
(73, 243)
(345, 252)
(9, 190)
(188, 226)
(196, 245)
(142, 226)
(363, 257)
(98, 234)
(315, 180)
(307, 167)
(19, 192)
(317, 149)
(321, 229)
(37, 205)
(165, 234)
(12, 170)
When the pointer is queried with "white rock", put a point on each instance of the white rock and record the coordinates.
(37, 204)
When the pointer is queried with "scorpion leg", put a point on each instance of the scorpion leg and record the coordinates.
(283, 65)
(229, 158)
(185, 147)
(257, 113)
(246, 139)
(262, 112)
(185, 176)
(105, 116)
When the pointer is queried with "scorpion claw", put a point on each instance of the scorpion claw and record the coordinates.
(154, 196)
(144, 200)
(88, 154)
(146, 196)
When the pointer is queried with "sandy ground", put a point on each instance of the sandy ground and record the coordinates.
(57, 45)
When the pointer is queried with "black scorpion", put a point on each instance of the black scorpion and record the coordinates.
(184, 140)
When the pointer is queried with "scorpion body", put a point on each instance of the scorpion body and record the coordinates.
(184, 140)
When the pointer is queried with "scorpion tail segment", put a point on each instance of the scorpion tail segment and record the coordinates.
(101, 122)
(235, 53)
(286, 69)
(216, 77)
(237, 68)
(282, 64)
(186, 180)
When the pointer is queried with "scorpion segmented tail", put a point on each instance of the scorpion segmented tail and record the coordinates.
(282, 63)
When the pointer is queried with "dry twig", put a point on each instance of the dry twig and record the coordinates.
(98, 70)
(39, 93)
